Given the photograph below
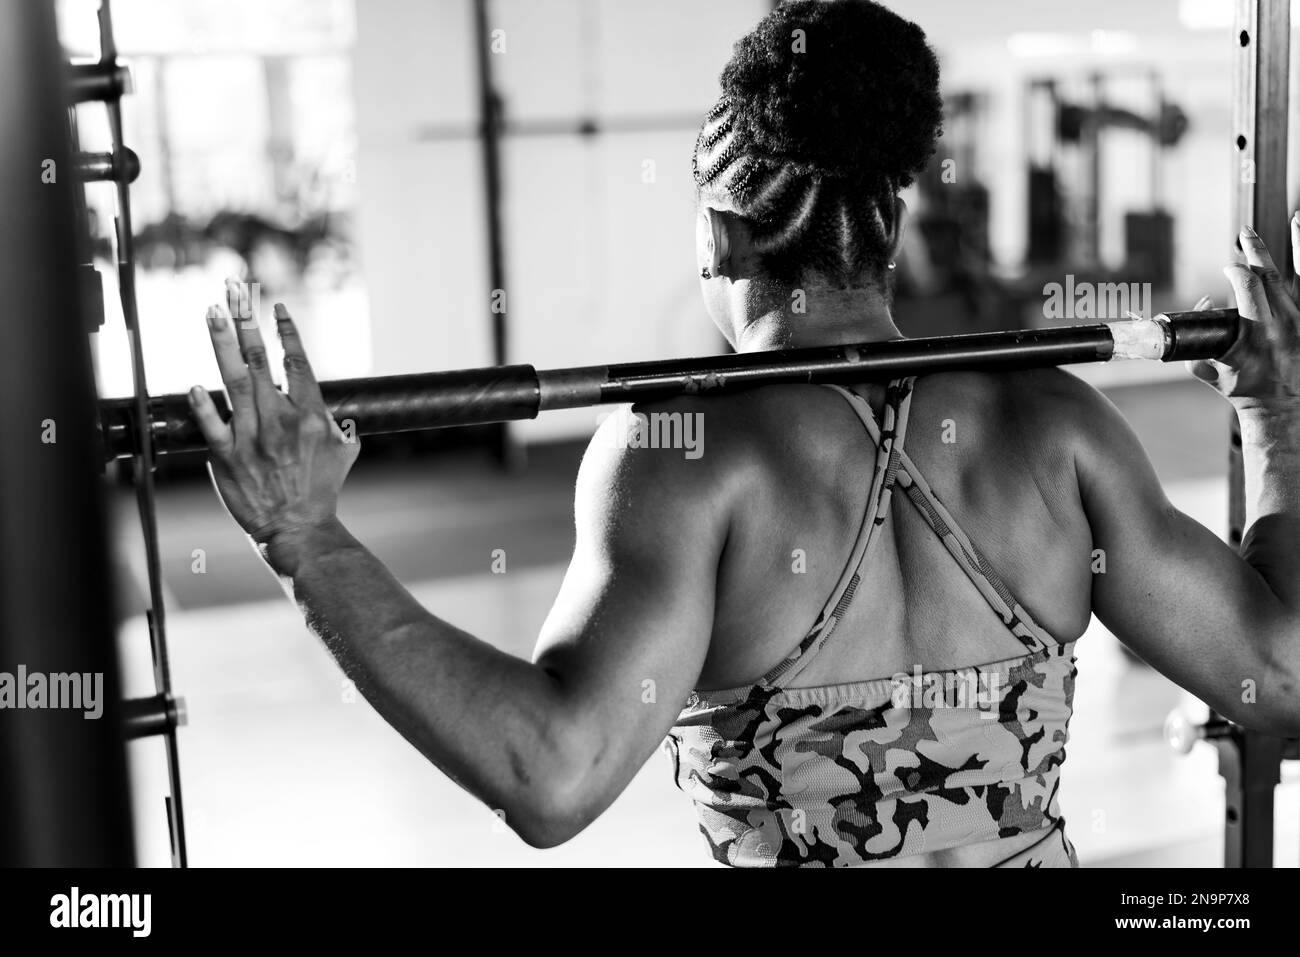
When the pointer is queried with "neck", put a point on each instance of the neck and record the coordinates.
(824, 317)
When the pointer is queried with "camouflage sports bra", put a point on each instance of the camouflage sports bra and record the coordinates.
(853, 773)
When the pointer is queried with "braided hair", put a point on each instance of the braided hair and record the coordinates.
(828, 109)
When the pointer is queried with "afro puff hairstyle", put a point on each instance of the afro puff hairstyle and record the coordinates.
(828, 109)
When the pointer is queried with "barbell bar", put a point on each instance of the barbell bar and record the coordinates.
(434, 400)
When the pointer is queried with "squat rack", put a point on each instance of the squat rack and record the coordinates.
(1250, 762)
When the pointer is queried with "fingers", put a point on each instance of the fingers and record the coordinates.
(251, 346)
(1204, 369)
(215, 431)
(234, 374)
(1258, 256)
(1248, 288)
(1282, 321)
(302, 386)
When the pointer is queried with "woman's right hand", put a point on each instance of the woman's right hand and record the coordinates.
(1262, 369)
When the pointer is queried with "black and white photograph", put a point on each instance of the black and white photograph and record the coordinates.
(649, 434)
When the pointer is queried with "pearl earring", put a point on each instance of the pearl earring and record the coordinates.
(892, 265)
(705, 274)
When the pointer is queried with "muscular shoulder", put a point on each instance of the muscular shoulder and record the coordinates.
(693, 461)
(1040, 429)
(1039, 410)
(663, 469)
(1110, 461)
(1068, 413)
(698, 456)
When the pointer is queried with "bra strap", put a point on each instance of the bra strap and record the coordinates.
(984, 576)
(888, 438)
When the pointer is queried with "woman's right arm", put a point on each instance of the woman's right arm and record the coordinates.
(1224, 625)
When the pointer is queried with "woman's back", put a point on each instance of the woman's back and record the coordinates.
(997, 450)
(921, 725)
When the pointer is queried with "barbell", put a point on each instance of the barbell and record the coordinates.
(434, 400)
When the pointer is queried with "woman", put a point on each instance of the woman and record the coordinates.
(840, 591)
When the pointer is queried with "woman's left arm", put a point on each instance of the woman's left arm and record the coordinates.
(548, 744)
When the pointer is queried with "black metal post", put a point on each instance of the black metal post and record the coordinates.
(1262, 40)
(1251, 766)
(63, 783)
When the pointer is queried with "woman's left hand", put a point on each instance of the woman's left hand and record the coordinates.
(280, 461)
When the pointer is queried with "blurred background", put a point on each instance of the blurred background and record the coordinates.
(341, 155)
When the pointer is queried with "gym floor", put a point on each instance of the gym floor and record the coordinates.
(284, 764)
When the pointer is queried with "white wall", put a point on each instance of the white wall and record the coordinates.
(418, 219)
(600, 264)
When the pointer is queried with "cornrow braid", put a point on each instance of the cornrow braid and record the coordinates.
(810, 142)
(801, 219)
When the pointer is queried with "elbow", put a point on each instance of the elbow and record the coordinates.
(552, 812)
(1284, 693)
(556, 792)
(1281, 720)
(1274, 724)
(543, 835)
(1273, 706)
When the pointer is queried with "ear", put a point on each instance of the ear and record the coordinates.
(717, 247)
(901, 215)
